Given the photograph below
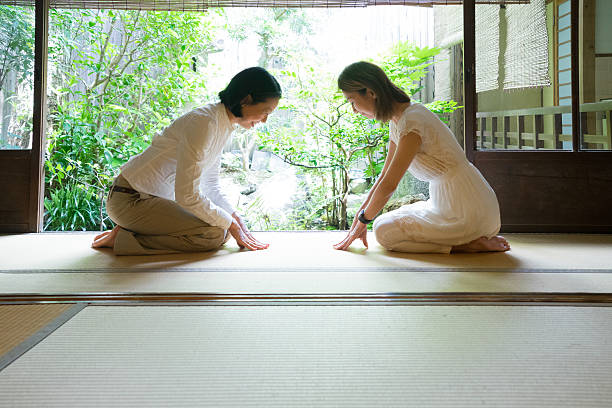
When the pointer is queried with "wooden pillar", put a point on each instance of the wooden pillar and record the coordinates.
(609, 129)
(538, 127)
(493, 131)
(587, 51)
(587, 61)
(469, 76)
(456, 118)
(37, 178)
(558, 130)
(575, 73)
(584, 127)
(506, 128)
(483, 128)
(520, 128)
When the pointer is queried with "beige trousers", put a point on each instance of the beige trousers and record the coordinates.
(153, 225)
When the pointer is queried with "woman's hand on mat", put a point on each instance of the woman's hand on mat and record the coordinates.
(243, 239)
(359, 230)
(240, 222)
(246, 231)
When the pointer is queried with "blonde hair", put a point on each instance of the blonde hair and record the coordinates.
(362, 75)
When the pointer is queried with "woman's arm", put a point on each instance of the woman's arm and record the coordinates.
(381, 192)
(406, 150)
(238, 228)
(390, 153)
(212, 189)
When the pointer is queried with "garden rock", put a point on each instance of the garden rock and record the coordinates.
(358, 186)
(396, 203)
(249, 190)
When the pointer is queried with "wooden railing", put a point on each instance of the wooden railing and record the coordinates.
(506, 129)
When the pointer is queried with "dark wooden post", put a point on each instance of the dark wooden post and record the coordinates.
(584, 129)
(506, 128)
(609, 129)
(483, 128)
(469, 75)
(493, 131)
(558, 130)
(37, 178)
(520, 129)
(538, 127)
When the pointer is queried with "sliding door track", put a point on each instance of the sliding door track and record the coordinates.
(314, 298)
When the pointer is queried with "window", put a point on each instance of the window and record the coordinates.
(16, 76)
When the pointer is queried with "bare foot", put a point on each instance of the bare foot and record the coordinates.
(484, 244)
(106, 239)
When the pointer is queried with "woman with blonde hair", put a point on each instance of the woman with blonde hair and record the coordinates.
(462, 212)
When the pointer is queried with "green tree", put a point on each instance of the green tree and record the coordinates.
(327, 139)
(279, 32)
(280, 39)
(330, 140)
(117, 78)
(16, 42)
(406, 65)
(17, 59)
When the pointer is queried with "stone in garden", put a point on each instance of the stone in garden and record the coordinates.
(249, 190)
(358, 186)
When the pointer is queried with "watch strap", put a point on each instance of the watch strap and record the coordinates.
(362, 217)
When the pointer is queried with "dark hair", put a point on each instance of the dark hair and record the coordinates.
(362, 75)
(254, 81)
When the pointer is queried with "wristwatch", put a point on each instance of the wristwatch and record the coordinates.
(362, 217)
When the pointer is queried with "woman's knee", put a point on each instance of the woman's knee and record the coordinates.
(384, 229)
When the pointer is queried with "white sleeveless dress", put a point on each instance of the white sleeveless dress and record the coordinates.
(461, 207)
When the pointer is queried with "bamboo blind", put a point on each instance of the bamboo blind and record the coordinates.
(202, 5)
(526, 53)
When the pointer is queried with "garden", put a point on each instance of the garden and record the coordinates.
(115, 78)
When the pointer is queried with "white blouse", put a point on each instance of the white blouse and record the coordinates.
(185, 153)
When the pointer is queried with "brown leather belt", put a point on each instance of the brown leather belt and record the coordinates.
(123, 190)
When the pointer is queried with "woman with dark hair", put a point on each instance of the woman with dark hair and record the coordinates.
(156, 200)
(462, 213)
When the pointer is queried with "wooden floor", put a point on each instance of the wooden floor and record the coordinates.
(301, 324)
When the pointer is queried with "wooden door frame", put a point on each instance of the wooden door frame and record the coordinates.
(541, 191)
(21, 171)
(37, 160)
(590, 172)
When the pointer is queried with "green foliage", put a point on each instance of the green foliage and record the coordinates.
(117, 77)
(327, 139)
(406, 64)
(16, 59)
(443, 108)
(272, 27)
(16, 42)
(73, 207)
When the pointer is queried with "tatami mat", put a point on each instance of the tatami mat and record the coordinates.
(304, 262)
(19, 322)
(312, 249)
(315, 356)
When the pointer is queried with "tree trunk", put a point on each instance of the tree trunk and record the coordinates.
(7, 110)
(334, 202)
(345, 187)
(372, 166)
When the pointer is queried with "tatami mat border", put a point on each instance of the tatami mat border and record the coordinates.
(302, 299)
(40, 335)
(313, 269)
